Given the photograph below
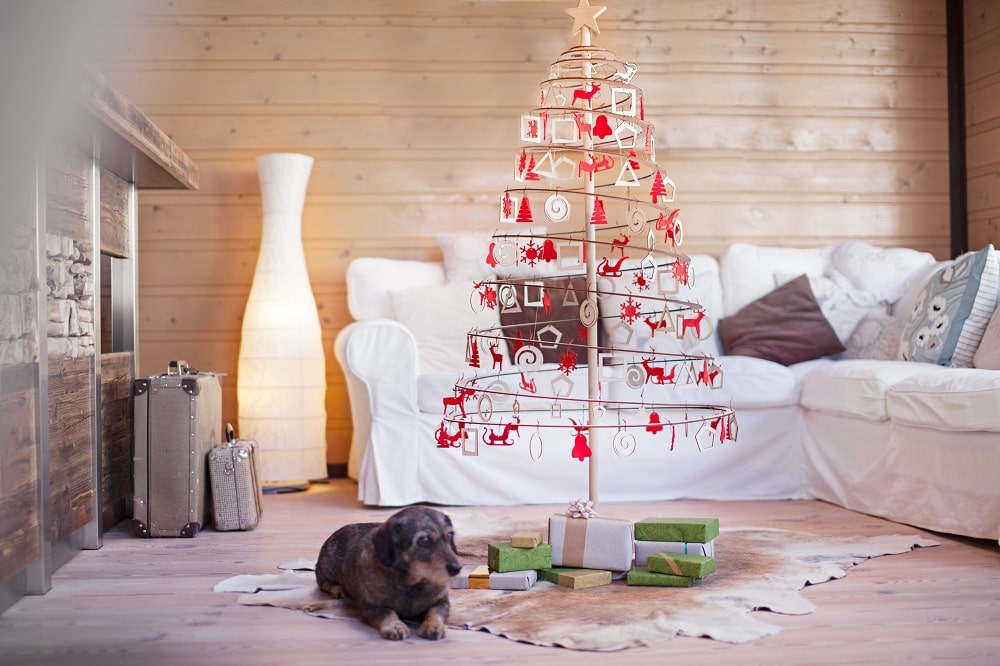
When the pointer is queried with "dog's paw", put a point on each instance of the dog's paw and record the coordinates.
(432, 629)
(393, 630)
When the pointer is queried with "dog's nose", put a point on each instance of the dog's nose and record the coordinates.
(454, 568)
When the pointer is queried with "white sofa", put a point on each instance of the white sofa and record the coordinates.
(911, 441)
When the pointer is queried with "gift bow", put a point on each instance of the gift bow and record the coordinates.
(581, 508)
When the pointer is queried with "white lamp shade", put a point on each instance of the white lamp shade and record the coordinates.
(281, 378)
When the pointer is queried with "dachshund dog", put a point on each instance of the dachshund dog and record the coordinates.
(394, 571)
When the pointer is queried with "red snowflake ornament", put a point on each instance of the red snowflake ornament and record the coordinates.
(567, 362)
(631, 311)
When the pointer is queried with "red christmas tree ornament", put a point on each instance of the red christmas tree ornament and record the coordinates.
(530, 173)
(598, 216)
(658, 189)
(524, 211)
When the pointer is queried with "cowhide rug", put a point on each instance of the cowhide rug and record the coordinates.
(757, 569)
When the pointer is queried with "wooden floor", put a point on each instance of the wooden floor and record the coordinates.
(150, 602)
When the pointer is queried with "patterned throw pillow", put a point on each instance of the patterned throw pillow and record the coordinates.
(952, 311)
(876, 337)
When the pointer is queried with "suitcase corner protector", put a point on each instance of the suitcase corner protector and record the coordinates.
(140, 529)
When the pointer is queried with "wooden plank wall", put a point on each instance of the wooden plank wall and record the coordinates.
(20, 515)
(982, 124)
(116, 436)
(787, 122)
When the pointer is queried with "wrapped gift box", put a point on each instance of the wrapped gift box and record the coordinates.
(643, 549)
(643, 576)
(578, 579)
(692, 530)
(591, 543)
(471, 577)
(513, 580)
(679, 564)
(503, 557)
(479, 577)
(527, 539)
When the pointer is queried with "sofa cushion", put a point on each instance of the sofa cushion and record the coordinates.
(856, 388)
(953, 399)
(952, 311)
(988, 355)
(440, 318)
(786, 326)
(370, 279)
(525, 320)
(749, 271)
(747, 383)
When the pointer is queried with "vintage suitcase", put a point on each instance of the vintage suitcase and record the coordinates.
(237, 499)
(178, 418)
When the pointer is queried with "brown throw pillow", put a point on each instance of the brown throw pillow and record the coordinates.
(525, 322)
(786, 326)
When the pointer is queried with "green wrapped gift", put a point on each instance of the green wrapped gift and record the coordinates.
(693, 530)
(551, 574)
(680, 564)
(504, 557)
(578, 579)
(643, 576)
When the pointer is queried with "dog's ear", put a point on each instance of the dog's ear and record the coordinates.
(385, 545)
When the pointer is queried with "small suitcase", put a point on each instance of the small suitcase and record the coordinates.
(178, 418)
(237, 498)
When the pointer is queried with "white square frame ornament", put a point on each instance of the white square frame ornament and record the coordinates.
(624, 101)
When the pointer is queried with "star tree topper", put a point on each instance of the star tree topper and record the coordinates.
(585, 16)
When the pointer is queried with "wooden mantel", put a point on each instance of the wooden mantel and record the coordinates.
(131, 145)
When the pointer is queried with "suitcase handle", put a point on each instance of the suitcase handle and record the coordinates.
(177, 367)
(230, 433)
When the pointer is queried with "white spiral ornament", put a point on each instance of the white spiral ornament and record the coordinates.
(528, 358)
(624, 444)
(557, 208)
(636, 220)
(635, 376)
(589, 313)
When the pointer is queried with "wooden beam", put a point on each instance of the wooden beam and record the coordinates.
(958, 178)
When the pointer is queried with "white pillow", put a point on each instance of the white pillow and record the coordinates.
(440, 319)
(464, 255)
(881, 272)
(748, 271)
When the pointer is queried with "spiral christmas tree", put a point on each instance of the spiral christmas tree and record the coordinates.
(593, 232)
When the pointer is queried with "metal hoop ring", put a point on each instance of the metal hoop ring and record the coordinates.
(531, 446)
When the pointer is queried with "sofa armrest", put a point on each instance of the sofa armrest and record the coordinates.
(379, 358)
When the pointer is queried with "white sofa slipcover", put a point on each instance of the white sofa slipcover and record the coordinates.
(912, 442)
